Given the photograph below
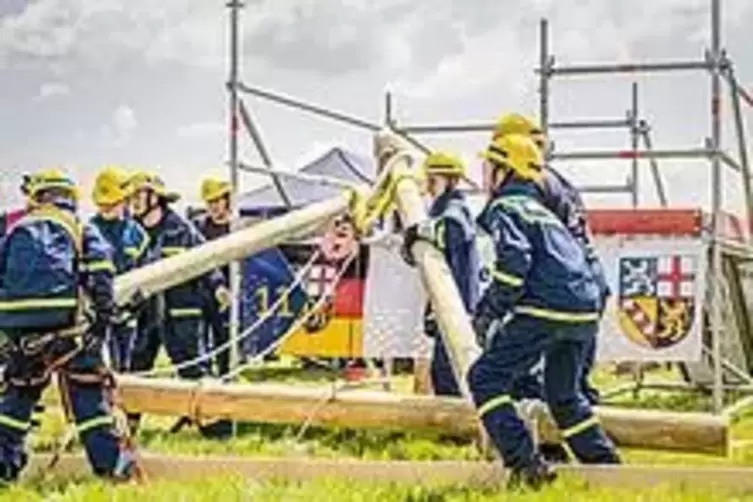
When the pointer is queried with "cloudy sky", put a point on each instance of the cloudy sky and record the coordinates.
(141, 82)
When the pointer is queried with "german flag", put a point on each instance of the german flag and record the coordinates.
(336, 329)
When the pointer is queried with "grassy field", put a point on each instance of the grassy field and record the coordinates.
(274, 440)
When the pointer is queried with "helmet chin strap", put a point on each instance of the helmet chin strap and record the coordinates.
(149, 208)
(507, 175)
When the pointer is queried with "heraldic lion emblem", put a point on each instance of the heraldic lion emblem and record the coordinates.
(656, 303)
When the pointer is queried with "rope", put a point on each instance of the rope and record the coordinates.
(367, 212)
(385, 189)
(327, 398)
(245, 334)
(195, 398)
(298, 324)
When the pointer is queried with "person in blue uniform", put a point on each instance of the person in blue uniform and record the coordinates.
(451, 229)
(564, 200)
(173, 319)
(129, 243)
(543, 302)
(55, 272)
(215, 223)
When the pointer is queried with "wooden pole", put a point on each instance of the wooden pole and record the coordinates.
(455, 325)
(356, 409)
(164, 274)
(723, 480)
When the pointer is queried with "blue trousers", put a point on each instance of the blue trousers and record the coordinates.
(120, 342)
(442, 378)
(181, 338)
(512, 354)
(84, 389)
(531, 385)
(216, 333)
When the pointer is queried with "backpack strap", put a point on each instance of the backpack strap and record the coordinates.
(75, 230)
(63, 219)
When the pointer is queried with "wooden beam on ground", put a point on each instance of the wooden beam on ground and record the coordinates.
(725, 480)
(356, 409)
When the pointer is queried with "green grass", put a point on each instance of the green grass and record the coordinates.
(275, 440)
(235, 489)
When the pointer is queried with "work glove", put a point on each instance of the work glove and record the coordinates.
(431, 327)
(424, 231)
(224, 298)
(97, 333)
(484, 323)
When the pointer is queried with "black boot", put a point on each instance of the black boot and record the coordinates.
(534, 476)
(134, 420)
(554, 453)
(182, 423)
(219, 430)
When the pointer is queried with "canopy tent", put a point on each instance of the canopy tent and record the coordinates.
(266, 201)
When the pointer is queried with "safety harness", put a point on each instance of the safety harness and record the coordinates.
(55, 349)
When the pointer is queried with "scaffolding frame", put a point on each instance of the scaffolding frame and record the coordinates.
(719, 67)
(716, 62)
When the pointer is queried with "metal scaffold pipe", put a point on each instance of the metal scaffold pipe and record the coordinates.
(742, 147)
(255, 133)
(298, 176)
(234, 268)
(634, 138)
(729, 75)
(661, 192)
(606, 189)
(488, 127)
(693, 153)
(308, 107)
(596, 69)
(715, 142)
(545, 63)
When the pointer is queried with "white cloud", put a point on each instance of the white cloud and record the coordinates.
(122, 125)
(52, 89)
(446, 60)
(201, 130)
(474, 69)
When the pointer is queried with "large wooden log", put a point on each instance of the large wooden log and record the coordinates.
(456, 329)
(285, 404)
(169, 272)
(724, 481)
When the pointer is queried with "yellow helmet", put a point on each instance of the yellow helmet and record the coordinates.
(515, 123)
(53, 178)
(111, 186)
(518, 153)
(445, 164)
(144, 180)
(214, 188)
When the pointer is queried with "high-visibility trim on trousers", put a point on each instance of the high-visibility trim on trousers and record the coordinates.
(38, 303)
(13, 423)
(580, 427)
(98, 266)
(190, 312)
(172, 250)
(505, 278)
(557, 315)
(93, 423)
(494, 403)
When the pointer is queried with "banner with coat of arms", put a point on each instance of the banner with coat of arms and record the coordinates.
(658, 290)
(376, 308)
